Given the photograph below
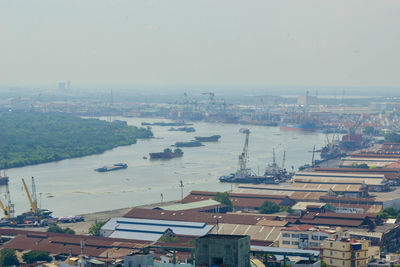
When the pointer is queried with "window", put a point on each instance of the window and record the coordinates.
(304, 236)
(322, 237)
(331, 244)
(295, 235)
(295, 243)
(342, 263)
(343, 254)
(285, 235)
(330, 260)
(314, 244)
(331, 252)
(314, 237)
(286, 242)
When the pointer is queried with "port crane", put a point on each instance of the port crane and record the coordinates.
(243, 171)
(32, 198)
(9, 209)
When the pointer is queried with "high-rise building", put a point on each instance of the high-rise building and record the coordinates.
(61, 86)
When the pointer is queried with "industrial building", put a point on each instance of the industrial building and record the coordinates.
(151, 230)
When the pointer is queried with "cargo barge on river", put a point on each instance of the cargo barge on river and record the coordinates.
(114, 167)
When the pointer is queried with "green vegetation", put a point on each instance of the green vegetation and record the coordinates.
(34, 256)
(360, 166)
(95, 227)
(392, 137)
(287, 209)
(389, 213)
(32, 138)
(168, 239)
(8, 257)
(369, 130)
(58, 229)
(224, 199)
(269, 207)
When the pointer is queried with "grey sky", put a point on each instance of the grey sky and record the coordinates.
(203, 42)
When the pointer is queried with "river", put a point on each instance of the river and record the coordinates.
(71, 186)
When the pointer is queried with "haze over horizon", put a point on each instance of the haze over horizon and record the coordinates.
(186, 43)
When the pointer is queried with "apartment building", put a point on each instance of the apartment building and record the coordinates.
(305, 236)
(345, 252)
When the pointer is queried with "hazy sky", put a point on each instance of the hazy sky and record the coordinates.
(202, 42)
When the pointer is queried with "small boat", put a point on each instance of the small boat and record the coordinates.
(114, 167)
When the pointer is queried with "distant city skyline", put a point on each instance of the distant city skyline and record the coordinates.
(227, 44)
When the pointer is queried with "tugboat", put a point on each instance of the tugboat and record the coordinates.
(167, 154)
(114, 167)
(213, 138)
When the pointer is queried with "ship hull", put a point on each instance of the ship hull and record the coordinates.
(298, 127)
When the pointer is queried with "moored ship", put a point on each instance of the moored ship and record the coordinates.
(167, 154)
(302, 126)
(114, 167)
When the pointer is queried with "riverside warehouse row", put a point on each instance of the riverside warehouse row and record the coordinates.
(324, 207)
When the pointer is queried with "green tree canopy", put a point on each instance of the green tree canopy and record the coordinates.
(224, 199)
(8, 257)
(58, 229)
(95, 227)
(34, 256)
(389, 213)
(32, 138)
(392, 137)
(269, 207)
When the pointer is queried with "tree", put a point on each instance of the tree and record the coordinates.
(369, 130)
(8, 257)
(95, 227)
(269, 207)
(57, 229)
(224, 199)
(392, 137)
(34, 256)
(388, 213)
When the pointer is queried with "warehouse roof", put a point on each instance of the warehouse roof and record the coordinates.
(195, 216)
(309, 188)
(320, 174)
(208, 203)
(56, 243)
(256, 232)
(241, 200)
(152, 230)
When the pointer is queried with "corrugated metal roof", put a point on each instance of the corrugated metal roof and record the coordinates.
(192, 205)
(256, 232)
(152, 230)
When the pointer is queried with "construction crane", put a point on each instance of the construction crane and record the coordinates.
(32, 200)
(9, 209)
(244, 157)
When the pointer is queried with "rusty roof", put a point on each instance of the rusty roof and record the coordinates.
(195, 216)
(56, 243)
